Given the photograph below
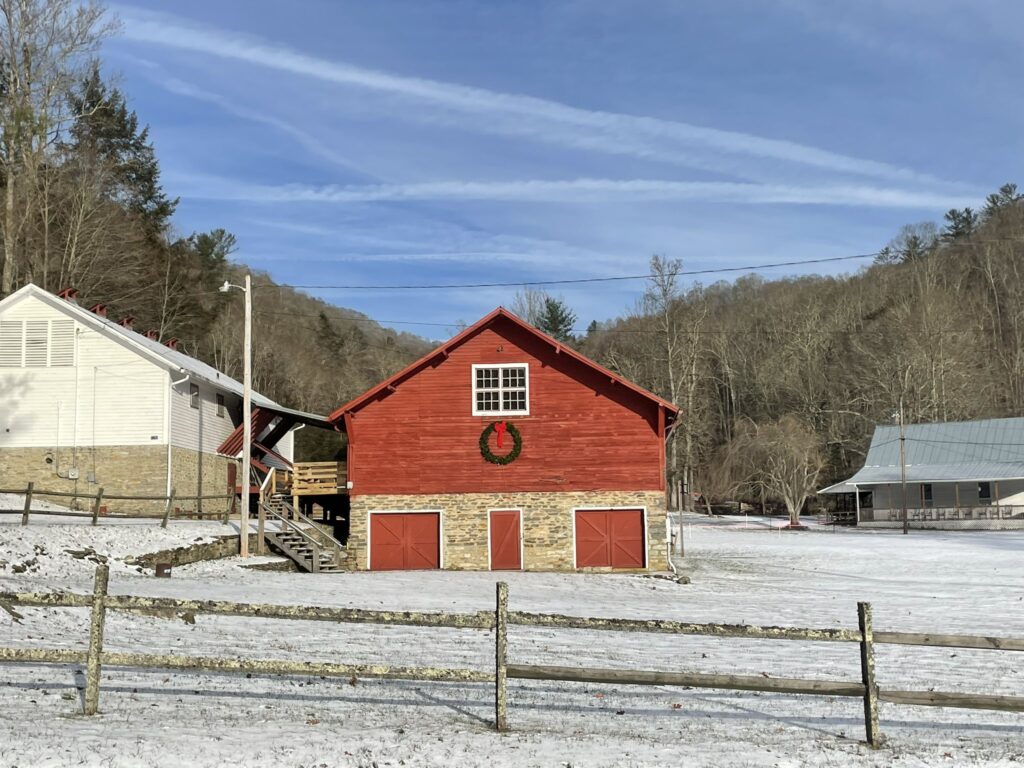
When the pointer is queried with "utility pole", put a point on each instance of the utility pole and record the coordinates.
(243, 544)
(903, 468)
(243, 527)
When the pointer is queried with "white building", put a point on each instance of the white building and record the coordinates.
(87, 402)
(959, 475)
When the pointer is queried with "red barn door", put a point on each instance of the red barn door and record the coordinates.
(505, 550)
(405, 541)
(610, 538)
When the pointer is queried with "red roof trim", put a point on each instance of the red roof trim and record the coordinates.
(233, 443)
(272, 452)
(444, 349)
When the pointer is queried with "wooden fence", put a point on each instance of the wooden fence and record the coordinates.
(499, 620)
(31, 493)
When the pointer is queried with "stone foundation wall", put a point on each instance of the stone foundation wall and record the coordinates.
(129, 470)
(121, 470)
(223, 546)
(199, 474)
(547, 525)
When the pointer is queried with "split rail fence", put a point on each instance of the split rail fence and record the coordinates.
(98, 511)
(499, 621)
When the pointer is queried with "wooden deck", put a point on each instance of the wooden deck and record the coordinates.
(319, 478)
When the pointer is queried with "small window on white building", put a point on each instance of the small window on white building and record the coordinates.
(985, 493)
(501, 389)
(927, 501)
(222, 410)
(193, 395)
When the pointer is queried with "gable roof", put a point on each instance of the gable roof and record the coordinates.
(986, 449)
(671, 411)
(151, 349)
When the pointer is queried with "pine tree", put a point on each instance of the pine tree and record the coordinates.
(106, 132)
(960, 224)
(997, 201)
(557, 320)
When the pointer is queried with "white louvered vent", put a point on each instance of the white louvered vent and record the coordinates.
(62, 343)
(10, 343)
(37, 333)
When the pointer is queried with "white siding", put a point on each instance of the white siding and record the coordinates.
(110, 396)
(286, 445)
(201, 429)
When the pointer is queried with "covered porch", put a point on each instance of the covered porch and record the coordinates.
(933, 503)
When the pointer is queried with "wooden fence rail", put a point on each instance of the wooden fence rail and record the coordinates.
(32, 493)
(99, 602)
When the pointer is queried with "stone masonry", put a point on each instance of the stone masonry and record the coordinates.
(547, 525)
(199, 474)
(130, 470)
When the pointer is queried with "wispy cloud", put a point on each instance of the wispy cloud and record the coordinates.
(541, 119)
(303, 138)
(575, 191)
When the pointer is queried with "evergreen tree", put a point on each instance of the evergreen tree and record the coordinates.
(557, 320)
(106, 132)
(960, 224)
(997, 201)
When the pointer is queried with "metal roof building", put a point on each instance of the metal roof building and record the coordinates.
(959, 451)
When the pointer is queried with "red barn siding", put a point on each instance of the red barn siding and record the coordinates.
(585, 431)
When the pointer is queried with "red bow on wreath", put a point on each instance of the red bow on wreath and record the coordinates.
(500, 428)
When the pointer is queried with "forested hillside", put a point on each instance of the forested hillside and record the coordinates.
(937, 321)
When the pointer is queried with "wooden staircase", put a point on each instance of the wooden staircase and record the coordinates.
(300, 539)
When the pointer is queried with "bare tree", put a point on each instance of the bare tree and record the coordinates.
(529, 304)
(783, 459)
(45, 47)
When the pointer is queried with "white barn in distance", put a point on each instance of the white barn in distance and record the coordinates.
(87, 402)
(960, 475)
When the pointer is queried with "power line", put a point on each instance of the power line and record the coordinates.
(965, 442)
(570, 281)
(600, 330)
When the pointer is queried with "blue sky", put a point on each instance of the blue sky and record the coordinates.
(447, 141)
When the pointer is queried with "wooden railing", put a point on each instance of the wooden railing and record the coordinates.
(940, 514)
(293, 520)
(312, 478)
(98, 511)
(864, 637)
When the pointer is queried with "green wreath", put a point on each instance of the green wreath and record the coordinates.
(508, 458)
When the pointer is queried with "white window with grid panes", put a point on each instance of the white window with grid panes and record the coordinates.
(500, 390)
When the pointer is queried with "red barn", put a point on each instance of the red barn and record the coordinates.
(505, 449)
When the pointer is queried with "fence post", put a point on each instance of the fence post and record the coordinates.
(867, 675)
(167, 511)
(28, 503)
(500, 654)
(96, 506)
(227, 512)
(96, 619)
(261, 526)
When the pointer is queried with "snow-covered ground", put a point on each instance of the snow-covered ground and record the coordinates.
(742, 571)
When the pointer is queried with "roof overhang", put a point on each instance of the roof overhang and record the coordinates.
(263, 417)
